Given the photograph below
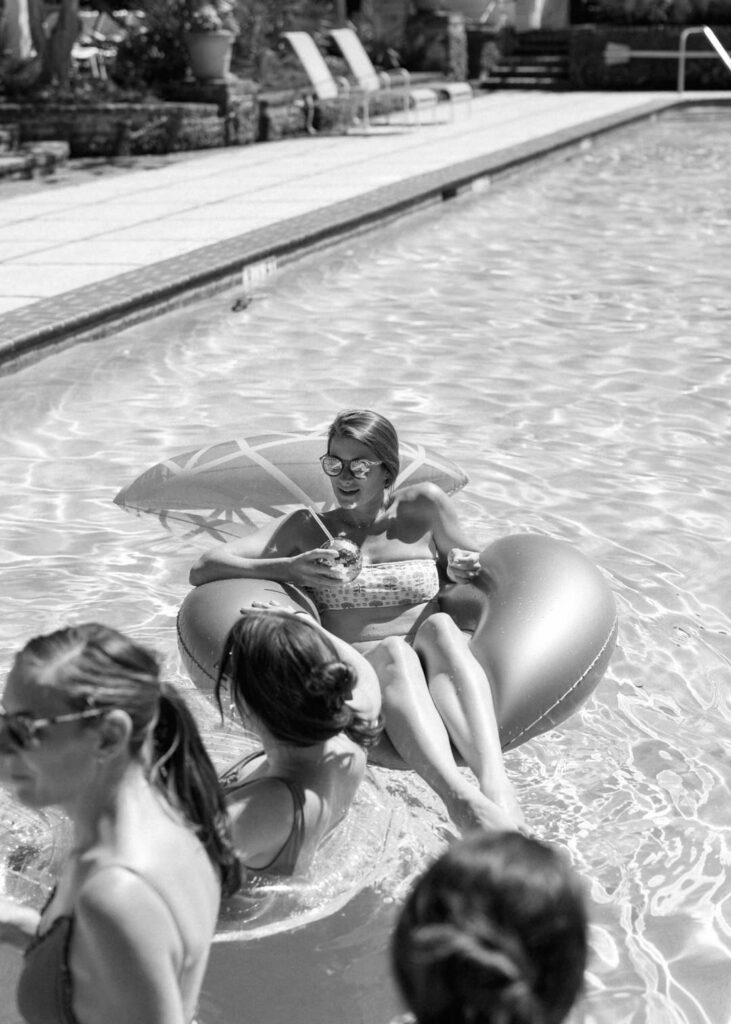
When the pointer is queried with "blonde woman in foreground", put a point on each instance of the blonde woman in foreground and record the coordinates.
(88, 726)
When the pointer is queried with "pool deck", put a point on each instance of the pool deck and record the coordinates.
(82, 260)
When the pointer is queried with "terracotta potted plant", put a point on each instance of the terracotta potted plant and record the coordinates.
(210, 31)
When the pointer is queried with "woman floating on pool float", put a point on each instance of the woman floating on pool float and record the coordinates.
(89, 726)
(315, 704)
(435, 693)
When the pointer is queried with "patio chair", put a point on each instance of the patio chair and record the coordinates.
(372, 81)
(326, 89)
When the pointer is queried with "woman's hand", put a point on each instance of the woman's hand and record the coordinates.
(463, 566)
(313, 567)
(18, 923)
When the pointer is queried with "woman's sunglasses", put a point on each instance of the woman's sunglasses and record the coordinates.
(358, 468)
(22, 729)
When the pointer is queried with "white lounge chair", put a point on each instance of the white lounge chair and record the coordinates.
(372, 81)
(327, 89)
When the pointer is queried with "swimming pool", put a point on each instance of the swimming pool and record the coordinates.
(563, 339)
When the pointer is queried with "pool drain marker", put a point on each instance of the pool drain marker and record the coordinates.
(254, 275)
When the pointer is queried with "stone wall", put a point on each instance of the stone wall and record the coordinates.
(111, 129)
(236, 100)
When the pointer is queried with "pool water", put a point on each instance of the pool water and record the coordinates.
(564, 339)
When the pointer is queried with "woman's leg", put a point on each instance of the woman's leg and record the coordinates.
(461, 693)
(417, 732)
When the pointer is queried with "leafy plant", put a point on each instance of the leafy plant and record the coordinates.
(211, 16)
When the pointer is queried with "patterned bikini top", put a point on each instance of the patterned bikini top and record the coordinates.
(382, 585)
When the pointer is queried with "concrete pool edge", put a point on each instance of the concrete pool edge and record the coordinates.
(95, 311)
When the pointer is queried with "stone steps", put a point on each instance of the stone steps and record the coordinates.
(535, 60)
(28, 159)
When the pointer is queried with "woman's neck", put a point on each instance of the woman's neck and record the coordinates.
(98, 809)
(363, 517)
(283, 757)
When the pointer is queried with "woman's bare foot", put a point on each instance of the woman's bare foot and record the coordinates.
(506, 798)
(470, 810)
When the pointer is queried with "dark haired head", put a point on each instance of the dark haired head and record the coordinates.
(373, 430)
(95, 666)
(493, 933)
(281, 669)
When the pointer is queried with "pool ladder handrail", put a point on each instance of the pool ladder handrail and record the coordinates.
(683, 48)
(620, 53)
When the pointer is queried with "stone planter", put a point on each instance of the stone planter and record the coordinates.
(209, 54)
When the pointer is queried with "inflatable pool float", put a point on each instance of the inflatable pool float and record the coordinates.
(230, 488)
(348, 861)
(541, 616)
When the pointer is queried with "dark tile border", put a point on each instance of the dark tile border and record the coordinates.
(97, 310)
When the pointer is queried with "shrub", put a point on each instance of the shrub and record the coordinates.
(662, 12)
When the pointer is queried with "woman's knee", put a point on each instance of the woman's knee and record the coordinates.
(393, 658)
(439, 630)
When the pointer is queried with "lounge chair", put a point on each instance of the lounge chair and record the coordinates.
(326, 89)
(372, 81)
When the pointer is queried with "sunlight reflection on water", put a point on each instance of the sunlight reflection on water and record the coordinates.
(563, 339)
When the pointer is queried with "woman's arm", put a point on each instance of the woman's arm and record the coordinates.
(458, 553)
(288, 550)
(366, 699)
(126, 953)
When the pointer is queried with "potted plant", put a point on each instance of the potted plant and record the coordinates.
(210, 31)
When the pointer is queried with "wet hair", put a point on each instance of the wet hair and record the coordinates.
(494, 932)
(283, 670)
(95, 666)
(372, 429)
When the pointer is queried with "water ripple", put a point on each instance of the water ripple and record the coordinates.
(563, 338)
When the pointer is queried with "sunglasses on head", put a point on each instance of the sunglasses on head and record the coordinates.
(23, 729)
(358, 468)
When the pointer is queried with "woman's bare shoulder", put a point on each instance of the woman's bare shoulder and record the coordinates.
(423, 500)
(261, 816)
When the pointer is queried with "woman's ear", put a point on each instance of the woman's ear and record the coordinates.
(114, 734)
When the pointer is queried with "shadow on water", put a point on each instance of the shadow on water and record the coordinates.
(333, 969)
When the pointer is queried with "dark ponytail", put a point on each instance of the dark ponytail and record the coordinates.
(183, 770)
(494, 932)
(331, 684)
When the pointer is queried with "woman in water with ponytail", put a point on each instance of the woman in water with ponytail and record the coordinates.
(494, 932)
(314, 703)
(89, 726)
